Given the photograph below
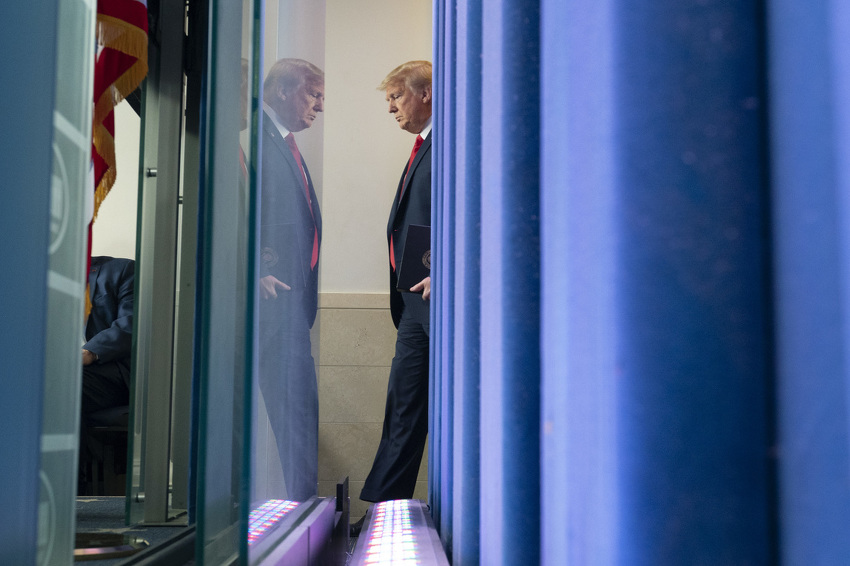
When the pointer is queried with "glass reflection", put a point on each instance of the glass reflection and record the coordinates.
(290, 238)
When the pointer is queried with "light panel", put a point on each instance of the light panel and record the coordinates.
(391, 538)
(266, 516)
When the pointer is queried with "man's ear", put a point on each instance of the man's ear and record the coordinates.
(281, 93)
(426, 95)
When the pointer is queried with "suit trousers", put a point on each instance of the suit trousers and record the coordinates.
(399, 455)
(105, 385)
(287, 379)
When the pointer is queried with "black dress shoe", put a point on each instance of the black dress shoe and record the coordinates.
(355, 528)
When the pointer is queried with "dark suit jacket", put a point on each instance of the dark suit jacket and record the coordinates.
(414, 208)
(287, 227)
(109, 329)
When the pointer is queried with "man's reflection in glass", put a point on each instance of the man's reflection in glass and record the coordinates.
(290, 235)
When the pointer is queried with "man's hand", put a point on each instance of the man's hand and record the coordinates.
(89, 357)
(270, 285)
(424, 286)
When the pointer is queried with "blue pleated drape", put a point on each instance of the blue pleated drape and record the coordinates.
(691, 285)
(441, 412)
(640, 314)
(580, 372)
(810, 139)
(455, 493)
(510, 283)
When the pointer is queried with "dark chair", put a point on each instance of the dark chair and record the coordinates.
(107, 447)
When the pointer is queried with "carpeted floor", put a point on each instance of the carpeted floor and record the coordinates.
(105, 515)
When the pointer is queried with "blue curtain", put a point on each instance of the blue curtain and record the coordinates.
(691, 289)
(580, 366)
(441, 416)
(486, 375)
(455, 490)
(643, 280)
(510, 283)
(810, 143)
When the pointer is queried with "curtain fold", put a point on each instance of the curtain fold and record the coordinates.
(810, 139)
(579, 373)
(442, 414)
(510, 283)
(647, 295)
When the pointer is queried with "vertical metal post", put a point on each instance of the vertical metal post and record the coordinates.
(156, 257)
(187, 265)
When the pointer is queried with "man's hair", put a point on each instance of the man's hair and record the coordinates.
(415, 75)
(289, 74)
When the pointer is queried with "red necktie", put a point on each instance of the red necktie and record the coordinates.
(416, 145)
(290, 141)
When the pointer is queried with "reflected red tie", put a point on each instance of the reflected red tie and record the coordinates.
(290, 141)
(416, 145)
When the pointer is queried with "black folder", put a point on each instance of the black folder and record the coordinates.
(416, 257)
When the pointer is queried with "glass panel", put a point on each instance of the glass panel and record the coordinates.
(66, 281)
(286, 404)
(283, 223)
(258, 290)
(226, 282)
(290, 224)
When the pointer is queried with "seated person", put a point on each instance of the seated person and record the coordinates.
(108, 333)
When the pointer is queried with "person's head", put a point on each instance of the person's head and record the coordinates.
(408, 89)
(295, 89)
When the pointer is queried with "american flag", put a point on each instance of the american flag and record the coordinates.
(121, 63)
(120, 66)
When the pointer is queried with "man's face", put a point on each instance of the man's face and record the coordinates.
(299, 108)
(410, 109)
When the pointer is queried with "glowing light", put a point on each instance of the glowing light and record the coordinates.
(264, 517)
(391, 535)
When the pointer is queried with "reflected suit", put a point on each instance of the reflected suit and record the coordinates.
(396, 466)
(287, 374)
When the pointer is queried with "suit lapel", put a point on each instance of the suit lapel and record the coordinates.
(311, 211)
(420, 155)
(317, 214)
(280, 144)
(394, 209)
(402, 192)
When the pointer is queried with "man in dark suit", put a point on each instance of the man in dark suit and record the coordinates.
(290, 237)
(109, 335)
(396, 465)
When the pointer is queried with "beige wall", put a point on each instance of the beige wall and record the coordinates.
(356, 348)
(114, 229)
(365, 150)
